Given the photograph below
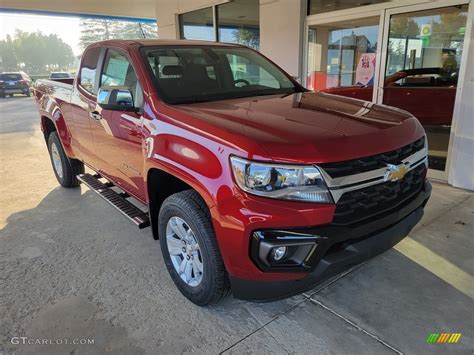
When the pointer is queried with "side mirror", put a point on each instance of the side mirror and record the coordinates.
(116, 98)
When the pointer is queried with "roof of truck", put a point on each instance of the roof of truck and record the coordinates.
(165, 42)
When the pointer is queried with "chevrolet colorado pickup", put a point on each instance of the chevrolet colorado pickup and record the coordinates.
(250, 182)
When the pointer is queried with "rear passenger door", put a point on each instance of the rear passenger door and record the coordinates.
(117, 135)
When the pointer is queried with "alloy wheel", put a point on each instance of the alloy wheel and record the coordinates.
(184, 251)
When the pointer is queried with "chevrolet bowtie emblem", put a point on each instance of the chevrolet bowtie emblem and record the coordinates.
(395, 172)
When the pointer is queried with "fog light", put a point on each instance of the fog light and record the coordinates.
(278, 253)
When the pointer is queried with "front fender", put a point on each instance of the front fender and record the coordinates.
(192, 163)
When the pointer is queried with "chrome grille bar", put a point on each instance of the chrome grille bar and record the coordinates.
(340, 185)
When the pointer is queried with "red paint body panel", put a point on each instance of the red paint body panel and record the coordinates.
(194, 142)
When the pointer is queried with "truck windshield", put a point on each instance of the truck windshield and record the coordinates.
(187, 74)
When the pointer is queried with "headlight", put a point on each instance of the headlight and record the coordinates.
(287, 182)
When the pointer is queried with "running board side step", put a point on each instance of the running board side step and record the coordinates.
(118, 200)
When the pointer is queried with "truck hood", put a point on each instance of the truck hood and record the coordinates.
(310, 127)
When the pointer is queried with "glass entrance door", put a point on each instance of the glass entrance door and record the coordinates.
(424, 50)
(342, 57)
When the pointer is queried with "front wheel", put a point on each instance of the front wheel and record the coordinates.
(190, 249)
(65, 169)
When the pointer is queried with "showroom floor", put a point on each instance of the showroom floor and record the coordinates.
(71, 267)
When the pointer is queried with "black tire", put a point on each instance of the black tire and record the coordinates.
(28, 94)
(70, 167)
(214, 284)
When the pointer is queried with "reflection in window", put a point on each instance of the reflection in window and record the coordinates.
(100, 29)
(431, 38)
(117, 70)
(246, 72)
(198, 24)
(423, 59)
(238, 22)
(88, 70)
(321, 6)
(342, 58)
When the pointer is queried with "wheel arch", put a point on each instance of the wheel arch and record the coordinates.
(47, 126)
(162, 184)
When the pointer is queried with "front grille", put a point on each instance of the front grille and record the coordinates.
(368, 202)
(357, 166)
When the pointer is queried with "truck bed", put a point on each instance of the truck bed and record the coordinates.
(58, 89)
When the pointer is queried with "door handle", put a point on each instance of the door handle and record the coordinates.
(95, 115)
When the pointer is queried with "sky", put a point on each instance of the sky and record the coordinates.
(67, 28)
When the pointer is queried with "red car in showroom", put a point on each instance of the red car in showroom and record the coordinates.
(255, 183)
(427, 93)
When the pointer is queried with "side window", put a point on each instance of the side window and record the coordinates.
(88, 70)
(243, 69)
(118, 71)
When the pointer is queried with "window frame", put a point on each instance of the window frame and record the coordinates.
(215, 20)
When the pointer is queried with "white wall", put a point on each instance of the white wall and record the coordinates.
(281, 23)
(461, 153)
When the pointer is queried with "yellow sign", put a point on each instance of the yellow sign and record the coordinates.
(425, 29)
(440, 338)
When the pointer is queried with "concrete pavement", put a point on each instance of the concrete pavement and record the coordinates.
(71, 267)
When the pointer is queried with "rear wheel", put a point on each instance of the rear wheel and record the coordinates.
(190, 250)
(65, 169)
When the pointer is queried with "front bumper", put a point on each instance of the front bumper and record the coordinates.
(339, 248)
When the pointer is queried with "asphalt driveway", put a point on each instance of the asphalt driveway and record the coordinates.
(72, 268)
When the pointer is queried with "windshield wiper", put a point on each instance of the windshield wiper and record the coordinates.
(234, 95)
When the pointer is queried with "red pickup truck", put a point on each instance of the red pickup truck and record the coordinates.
(249, 181)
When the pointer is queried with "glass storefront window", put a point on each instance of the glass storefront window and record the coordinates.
(198, 24)
(238, 22)
(342, 57)
(421, 75)
(322, 6)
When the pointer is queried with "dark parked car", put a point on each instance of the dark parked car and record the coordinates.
(14, 83)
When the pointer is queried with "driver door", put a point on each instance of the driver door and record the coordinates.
(116, 133)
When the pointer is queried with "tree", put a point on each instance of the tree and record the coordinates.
(450, 28)
(402, 26)
(94, 30)
(35, 53)
(8, 59)
(246, 37)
